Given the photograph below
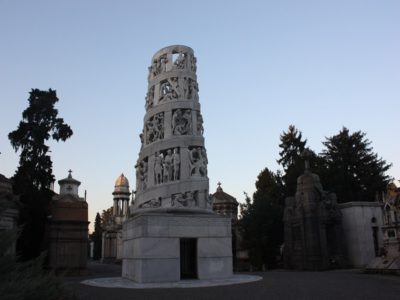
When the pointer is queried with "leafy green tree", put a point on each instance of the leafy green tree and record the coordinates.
(97, 237)
(292, 145)
(34, 175)
(351, 169)
(261, 220)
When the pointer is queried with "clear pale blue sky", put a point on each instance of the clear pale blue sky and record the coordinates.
(262, 65)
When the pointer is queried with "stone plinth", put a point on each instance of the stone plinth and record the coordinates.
(152, 246)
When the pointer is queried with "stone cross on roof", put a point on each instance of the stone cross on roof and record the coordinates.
(70, 175)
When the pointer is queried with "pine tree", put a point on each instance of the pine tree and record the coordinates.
(351, 169)
(292, 146)
(97, 237)
(261, 220)
(34, 176)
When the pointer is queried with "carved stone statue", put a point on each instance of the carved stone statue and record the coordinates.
(176, 161)
(141, 175)
(193, 90)
(167, 166)
(158, 162)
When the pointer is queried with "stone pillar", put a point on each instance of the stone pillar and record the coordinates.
(115, 207)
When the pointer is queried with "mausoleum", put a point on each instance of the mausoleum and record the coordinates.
(68, 229)
(172, 232)
(111, 250)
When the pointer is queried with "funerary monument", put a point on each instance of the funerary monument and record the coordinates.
(111, 250)
(68, 229)
(312, 226)
(172, 232)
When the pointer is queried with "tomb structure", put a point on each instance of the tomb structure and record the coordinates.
(312, 226)
(68, 229)
(8, 209)
(172, 232)
(111, 250)
(388, 260)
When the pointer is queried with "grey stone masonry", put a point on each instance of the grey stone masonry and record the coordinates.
(151, 246)
(171, 171)
(172, 232)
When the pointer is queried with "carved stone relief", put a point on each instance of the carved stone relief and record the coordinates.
(193, 65)
(155, 128)
(153, 203)
(141, 174)
(209, 199)
(181, 122)
(181, 61)
(150, 98)
(187, 199)
(169, 89)
(158, 66)
(193, 90)
(176, 164)
(198, 161)
(200, 128)
(167, 166)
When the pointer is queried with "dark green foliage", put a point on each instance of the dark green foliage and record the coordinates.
(292, 146)
(351, 169)
(261, 220)
(34, 174)
(96, 237)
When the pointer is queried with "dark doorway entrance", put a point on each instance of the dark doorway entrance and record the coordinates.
(188, 252)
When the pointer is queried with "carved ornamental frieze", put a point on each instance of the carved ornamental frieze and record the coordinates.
(171, 171)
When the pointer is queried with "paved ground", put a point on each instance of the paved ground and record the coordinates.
(343, 284)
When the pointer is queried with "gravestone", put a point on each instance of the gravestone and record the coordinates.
(172, 232)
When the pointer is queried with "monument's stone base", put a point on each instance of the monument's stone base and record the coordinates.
(152, 247)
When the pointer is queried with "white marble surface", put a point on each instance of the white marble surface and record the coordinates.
(119, 282)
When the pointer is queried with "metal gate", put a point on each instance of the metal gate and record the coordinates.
(188, 258)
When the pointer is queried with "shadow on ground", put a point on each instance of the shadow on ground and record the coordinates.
(339, 284)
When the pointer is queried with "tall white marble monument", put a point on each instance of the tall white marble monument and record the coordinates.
(172, 232)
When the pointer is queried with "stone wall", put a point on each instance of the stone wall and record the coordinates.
(359, 222)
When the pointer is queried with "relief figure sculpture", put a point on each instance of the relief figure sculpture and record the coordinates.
(158, 162)
(176, 161)
(180, 62)
(167, 166)
(182, 122)
(155, 128)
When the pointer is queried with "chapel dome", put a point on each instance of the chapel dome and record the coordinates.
(122, 184)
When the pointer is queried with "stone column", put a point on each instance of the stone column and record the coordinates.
(115, 207)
